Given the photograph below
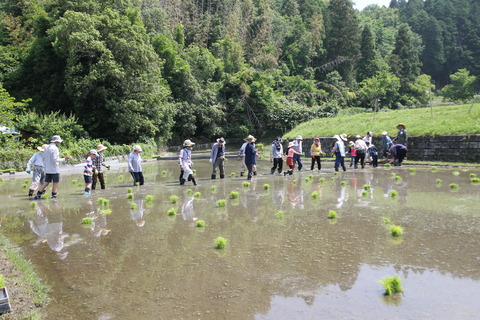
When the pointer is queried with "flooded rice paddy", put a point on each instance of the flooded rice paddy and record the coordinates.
(284, 259)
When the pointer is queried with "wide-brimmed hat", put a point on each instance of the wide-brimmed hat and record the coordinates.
(343, 136)
(137, 148)
(400, 124)
(316, 138)
(291, 144)
(384, 133)
(220, 140)
(188, 143)
(101, 147)
(358, 136)
(350, 143)
(94, 152)
(56, 139)
(250, 138)
(299, 137)
(42, 147)
(336, 137)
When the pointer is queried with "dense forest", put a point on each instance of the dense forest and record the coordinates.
(131, 70)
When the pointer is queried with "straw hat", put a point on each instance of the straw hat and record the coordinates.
(400, 125)
(188, 143)
(221, 140)
(343, 136)
(291, 144)
(56, 139)
(250, 138)
(137, 148)
(101, 147)
(42, 147)
(299, 138)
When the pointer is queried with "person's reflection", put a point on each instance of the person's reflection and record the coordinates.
(187, 209)
(99, 223)
(48, 226)
(136, 214)
(342, 197)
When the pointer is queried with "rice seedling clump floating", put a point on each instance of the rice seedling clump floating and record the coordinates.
(200, 223)
(221, 203)
(396, 231)
(171, 212)
(234, 195)
(220, 242)
(392, 285)
(332, 214)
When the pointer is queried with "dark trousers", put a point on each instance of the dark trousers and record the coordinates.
(375, 160)
(277, 162)
(298, 158)
(360, 157)
(137, 178)
(401, 155)
(97, 177)
(339, 161)
(250, 171)
(318, 161)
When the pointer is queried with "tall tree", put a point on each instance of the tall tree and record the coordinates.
(368, 65)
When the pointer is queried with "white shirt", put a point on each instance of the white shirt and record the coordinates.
(51, 159)
(36, 161)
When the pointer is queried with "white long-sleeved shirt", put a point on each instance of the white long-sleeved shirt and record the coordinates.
(134, 160)
(36, 161)
(51, 159)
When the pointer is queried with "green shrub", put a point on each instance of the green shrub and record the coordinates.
(392, 285)
(220, 242)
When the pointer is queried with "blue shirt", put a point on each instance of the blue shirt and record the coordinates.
(250, 154)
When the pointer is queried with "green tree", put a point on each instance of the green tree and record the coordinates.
(463, 86)
(379, 90)
(368, 65)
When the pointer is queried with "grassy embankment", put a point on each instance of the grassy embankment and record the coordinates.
(27, 292)
(446, 120)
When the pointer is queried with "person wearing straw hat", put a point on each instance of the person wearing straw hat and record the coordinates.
(401, 137)
(250, 155)
(51, 161)
(217, 158)
(38, 175)
(297, 157)
(185, 163)
(134, 165)
(98, 163)
(88, 171)
(339, 151)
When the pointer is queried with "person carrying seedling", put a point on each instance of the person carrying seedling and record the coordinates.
(276, 155)
(339, 151)
(185, 163)
(316, 150)
(134, 165)
(250, 156)
(290, 153)
(98, 163)
(297, 157)
(51, 160)
(88, 171)
(38, 176)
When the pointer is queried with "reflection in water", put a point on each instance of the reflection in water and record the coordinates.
(187, 209)
(48, 226)
(99, 220)
(136, 213)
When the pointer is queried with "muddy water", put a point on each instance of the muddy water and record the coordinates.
(140, 263)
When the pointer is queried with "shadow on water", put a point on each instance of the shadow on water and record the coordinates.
(135, 261)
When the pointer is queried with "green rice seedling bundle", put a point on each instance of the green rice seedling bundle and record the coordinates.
(453, 186)
(33, 204)
(387, 165)
(130, 195)
(280, 214)
(311, 176)
(332, 214)
(221, 203)
(294, 181)
(392, 285)
(106, 211)
(171, 212)
(137, 184)
(100, 200)
(364, 193)
(387, 220)
(393, 193)
(149, 198)
(396, 231)
(456, 173)
(1, 180)
(266, 186)
(321, 180)
(393, 174)
(307, 179)
(234, 195)
(44, 196)
(74, 181)
(220, 242)
(189, 191)
(438, 181)
(26, 181)
(367, 187)
(475, 180)
(233, 174)
(120, 177)
(133, 205)
(164, 172)
(213, 188)
(129, 190)
(472, 175)
(173, 199)
(434, 168)
(315, 195)
(398, 178)
(246, 184)
(194, 171)
(343, 183)
(412, 170)
(200, 223)
(197, 195)
(86, 221)
(24, 185)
